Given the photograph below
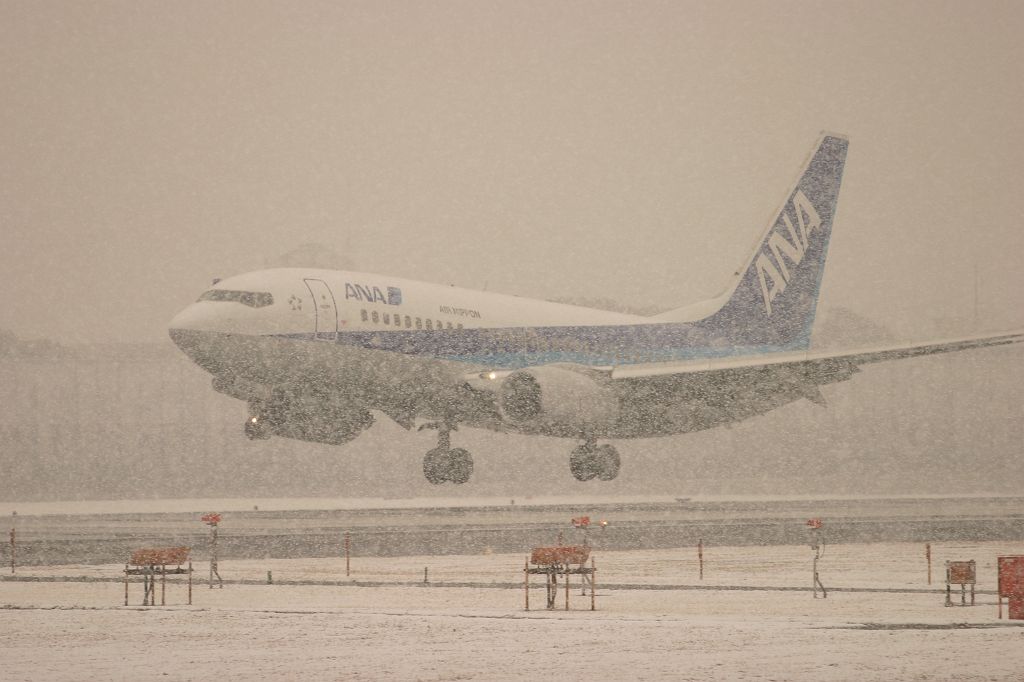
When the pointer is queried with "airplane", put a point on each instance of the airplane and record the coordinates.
(312, 352)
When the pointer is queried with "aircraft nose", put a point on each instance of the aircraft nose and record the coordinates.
(204, 316)
(197, 331)
(195, 323)
(178, 321)
(187, 319)
(183, 327)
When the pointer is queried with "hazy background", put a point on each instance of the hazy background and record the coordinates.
(630, 152)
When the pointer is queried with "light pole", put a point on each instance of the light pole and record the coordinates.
(818, 545)
(212, 520)
(14, 517)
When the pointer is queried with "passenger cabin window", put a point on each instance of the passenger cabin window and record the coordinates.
(253, 299)
(419, 323)
(408, 322)
(439, 325)
(363, 315)
(398, 320)
(376, 317)
(449, 325)
(430, 325)
(387, 318)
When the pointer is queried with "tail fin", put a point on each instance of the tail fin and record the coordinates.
(773, 299)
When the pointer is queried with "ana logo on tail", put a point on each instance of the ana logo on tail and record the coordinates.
(793, 249)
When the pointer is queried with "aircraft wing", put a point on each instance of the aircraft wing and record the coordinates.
(846, 359)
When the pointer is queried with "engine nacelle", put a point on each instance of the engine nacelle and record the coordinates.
(314, 418)
(558, 399)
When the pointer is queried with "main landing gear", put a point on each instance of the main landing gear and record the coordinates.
(444, 463)
(590, 460)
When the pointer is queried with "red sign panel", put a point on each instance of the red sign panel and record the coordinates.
(161, 556)
(212, 519)
(546, 556)
(1011, 576)
(960, 572)
(581, 521)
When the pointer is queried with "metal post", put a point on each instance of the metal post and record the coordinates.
(212, 520)
(213, 551)
(567, 587)
(928, 556)
(163, 585)
(126, 583)
(817, 580)
(13, 549)
(593, 584)
(700, 556)
(526, 582)
(425, 579)
(348, 550)
(190, 583)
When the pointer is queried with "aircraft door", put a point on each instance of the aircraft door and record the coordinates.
(326, 309)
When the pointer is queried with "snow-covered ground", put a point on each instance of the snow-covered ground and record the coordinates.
(402, 629)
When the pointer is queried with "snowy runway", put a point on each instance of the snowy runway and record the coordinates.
(404, 629)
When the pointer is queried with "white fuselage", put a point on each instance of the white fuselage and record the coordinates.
(393, 344)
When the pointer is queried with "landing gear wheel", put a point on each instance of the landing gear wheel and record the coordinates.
(582, 463)
(608, 462)
(435, 466)
(443, 463)
(460, 466)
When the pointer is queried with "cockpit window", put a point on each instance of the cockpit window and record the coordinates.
(253, 299)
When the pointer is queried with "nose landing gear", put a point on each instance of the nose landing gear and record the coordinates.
(256, 428)
(591, 460)
(444, 463)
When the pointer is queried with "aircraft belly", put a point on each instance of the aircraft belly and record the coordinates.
(409, 387)
(271, 360)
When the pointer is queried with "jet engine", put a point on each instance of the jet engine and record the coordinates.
(558, 400)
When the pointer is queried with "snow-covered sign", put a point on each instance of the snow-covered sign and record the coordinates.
(548, 556)
(159, 556)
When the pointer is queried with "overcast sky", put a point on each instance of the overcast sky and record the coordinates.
(632, 151)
